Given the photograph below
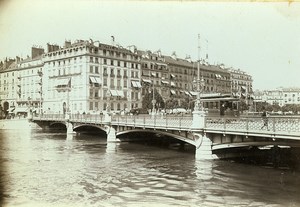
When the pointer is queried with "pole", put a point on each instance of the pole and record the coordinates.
(198, 106)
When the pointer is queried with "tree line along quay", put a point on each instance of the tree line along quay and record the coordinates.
(87, 76)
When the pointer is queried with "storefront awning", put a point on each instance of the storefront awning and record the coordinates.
(172, 83)
(165, 82)
(172, 76)
(173, 92)
(153, 74)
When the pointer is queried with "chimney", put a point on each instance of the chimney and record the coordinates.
(36, 51)
(67, 44)
(18, 59)
(174, 55)
(188, 58)
(112, 40)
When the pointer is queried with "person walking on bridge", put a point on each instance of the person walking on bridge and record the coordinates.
(264, 117)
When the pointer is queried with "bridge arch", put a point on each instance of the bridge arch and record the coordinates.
(158, 133)
(88, 126)
(58, 124)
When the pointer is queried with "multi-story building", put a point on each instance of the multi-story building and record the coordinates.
(176, 78)
(280, 96)
(21, 83)
(86, 76)
(241, 82)
(90, 77)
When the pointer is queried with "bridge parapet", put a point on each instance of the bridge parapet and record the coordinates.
(278, 124)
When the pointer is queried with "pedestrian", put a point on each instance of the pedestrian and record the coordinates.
(264, 117)
(222, 110)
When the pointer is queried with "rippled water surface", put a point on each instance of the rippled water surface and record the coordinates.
(47, 169)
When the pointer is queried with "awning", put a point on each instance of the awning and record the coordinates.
(173, 76)
(193, 93)
(163, 64)
(114, 93)
(218, 76)
(136, 84)
(219, 99)
(21, 109)
(172, 83)
(173, 92)
(120, 93)
(117, 93)
(165, 82)
(243, 87)
(10, 110)
(95, 80)
(187, 93)
(147, 81)
(153, 74)
(62, 82)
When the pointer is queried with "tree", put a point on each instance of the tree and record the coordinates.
(243, 105)
(291, 107)
(148, 97)
(171, 103)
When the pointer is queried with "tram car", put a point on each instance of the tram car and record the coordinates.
(220, 105)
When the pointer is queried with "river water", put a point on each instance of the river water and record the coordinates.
(50, 169)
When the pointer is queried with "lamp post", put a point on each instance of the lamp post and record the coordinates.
(198, 113)
(200, 83)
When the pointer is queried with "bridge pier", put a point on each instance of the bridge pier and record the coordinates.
(69, 128)
(203, 148)
(111, 134)
(203, 144)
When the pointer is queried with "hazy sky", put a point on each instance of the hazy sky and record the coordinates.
(262, 39)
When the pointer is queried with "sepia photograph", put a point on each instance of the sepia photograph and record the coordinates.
(149, 103)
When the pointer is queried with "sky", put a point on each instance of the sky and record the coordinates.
(262, 39)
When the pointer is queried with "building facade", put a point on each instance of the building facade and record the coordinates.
(241, 82)
(279, 96)
(87, 76)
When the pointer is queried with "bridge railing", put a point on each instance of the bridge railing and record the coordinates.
(155, 121)
(278, 124)
(252, 123)
(178, 122)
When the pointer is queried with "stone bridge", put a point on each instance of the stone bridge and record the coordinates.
(207, 134)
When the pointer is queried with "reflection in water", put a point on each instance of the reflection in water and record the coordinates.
(204, 169)
(111, 147)
(50, 169)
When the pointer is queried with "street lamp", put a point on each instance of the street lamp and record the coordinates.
(200, 83)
